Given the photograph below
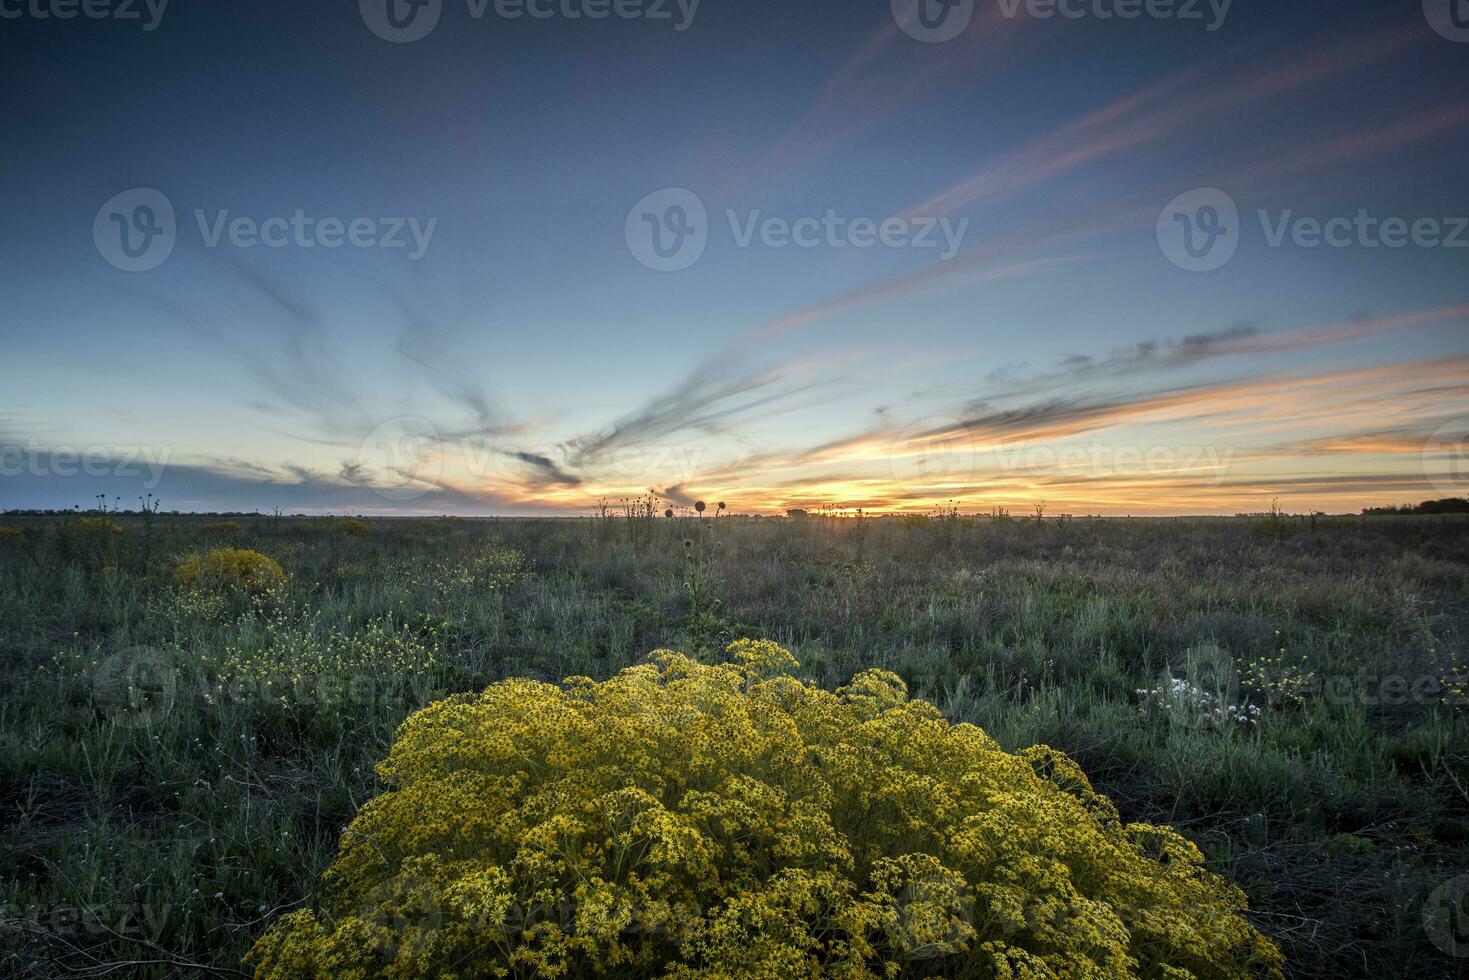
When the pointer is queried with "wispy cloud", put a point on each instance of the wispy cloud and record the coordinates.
(1322, 155)
(708, 401)
(864, 296)
(1373, 443)
(294, 363)
(888, 73)
(1193, 99)
(1240, 340)
(1236, 422)
(545, 469)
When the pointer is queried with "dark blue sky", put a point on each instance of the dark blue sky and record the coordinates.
(494, 340)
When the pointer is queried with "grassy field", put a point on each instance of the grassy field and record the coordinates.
(178, 764)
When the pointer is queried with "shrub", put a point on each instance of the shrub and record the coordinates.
(8, 533)
(687, 820)
(353, 527)
(230, 568)
(99, 526)
(223, 529)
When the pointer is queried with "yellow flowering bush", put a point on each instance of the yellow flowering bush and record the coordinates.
(685, 820)
(223, 529)
(353, 527)
(230, 568)
(8, 533)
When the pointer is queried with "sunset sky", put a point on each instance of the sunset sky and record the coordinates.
(1004, 268)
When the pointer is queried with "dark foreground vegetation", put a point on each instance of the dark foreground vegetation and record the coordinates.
(1450, 505)
(179, 760)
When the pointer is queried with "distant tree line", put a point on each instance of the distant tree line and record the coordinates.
(1449, 505)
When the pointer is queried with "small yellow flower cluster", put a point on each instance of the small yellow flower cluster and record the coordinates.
(356, 571)
(492, 570)
(685, 820)
(99, 526)
(1284, 680)
(287, 658)
(8, 533)
(763, 658)
(230, 568)
(1453, 677)
(185, 609)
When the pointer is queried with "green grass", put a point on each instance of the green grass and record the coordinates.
(157, 832)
